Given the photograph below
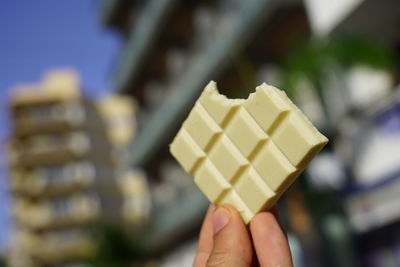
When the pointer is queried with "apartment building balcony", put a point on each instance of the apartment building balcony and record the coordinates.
(48, 148)
(53, 247)
(49, 117)
(136, 204)
(54, 179)
(57, 212)
(59, 246)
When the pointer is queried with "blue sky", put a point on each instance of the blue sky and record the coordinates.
(44, 34)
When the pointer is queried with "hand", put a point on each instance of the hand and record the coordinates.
(225, 241)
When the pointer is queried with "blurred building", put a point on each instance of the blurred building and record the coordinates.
(66, 155)
(173, 48)
(118, 113)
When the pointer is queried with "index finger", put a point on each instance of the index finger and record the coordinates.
(205, 244)
(270, 242)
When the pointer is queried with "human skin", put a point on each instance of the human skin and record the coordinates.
(226, 241)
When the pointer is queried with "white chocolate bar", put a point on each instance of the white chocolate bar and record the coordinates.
(246, 152)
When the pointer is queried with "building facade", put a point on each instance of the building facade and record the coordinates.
(65, 154)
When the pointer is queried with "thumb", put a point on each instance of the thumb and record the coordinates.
(231, 246)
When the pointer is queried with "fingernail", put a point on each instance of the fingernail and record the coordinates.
(220, 219)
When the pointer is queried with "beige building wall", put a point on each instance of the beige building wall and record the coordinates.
(69, 167)
(62, 174)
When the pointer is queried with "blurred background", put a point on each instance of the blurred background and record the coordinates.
(92, 93)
